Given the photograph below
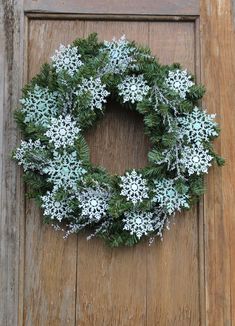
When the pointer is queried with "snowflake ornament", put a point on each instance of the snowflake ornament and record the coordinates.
(39, 106)
(67, 58)
(134, 187)
(168, 197)
(53, 208)
(133, 88)
(96, 89)
(27, 148)
(179, 81)
(196, 159)
(94, 203)
(64, 170)
(198, 126)
(62, 132)
(120, 55)
(138, 223)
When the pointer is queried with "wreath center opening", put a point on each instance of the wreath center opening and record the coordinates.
(117, 142)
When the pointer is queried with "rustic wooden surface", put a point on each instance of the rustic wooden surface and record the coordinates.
(126, 277)
(218, 58)
(11, 186)
(188, 279)
(172, 7)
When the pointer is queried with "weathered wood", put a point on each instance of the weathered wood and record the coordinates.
(157, 7)
(111, 284)
(218, 71)
(11, 188)
(173, 266)
(50, 261)
(76, 282)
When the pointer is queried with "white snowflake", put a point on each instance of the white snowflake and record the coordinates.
(27, 148)
(168, 197)
(196, 159)
(55, 209)
(62, 131)
(138, 223)
(94, 203)
(133, 88)
(96, 89)
(67, 58)
(134, 187)
(64, 170)
(179, 81)
(120, 55)
(198, 126)
(39, 106)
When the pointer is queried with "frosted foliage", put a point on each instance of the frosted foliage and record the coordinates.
(198, 126)
(53, 208)
(138, 223)
(25, 148)
(160, 221)
(67, 58)
(133, 89)
(39, 106)
(120, 55)
(96, 89)
(196, 159)
(168, 197)
(134, 187)
(62, 132)
(64, 170)
(94, 203)
(179, 81)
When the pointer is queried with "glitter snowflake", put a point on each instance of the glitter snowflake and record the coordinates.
(62, 131)
(168, 197)
(96, 89)
(133, 88)
(134, 187)
(120, 55)
(179, 81)
(39, 106)
(67, 58)
(93, 203)
(26, 149)
(198, 126)
(196, 159)
(55, 209)
(64, 170)
(138, 223)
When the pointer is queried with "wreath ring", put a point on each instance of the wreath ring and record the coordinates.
(68, 96)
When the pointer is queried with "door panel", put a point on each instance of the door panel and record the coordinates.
(84, 281)
(186, 280)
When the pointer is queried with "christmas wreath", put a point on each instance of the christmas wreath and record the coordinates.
(69, 96)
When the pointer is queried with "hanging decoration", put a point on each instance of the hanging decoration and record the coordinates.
(69, 96)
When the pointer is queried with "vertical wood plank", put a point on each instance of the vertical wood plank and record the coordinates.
(11, 187)
(218, 71)
(50, 261)
(173, 266)
(112, 283)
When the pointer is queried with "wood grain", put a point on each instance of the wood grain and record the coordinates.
(50, 261)
(76, 282)
(113, 292)
(218, 71)
(11, 186)
(180, 7)
(173, 266)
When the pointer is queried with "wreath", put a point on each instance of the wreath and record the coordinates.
(69, 96)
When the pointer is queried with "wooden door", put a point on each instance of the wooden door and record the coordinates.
(185, 280)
